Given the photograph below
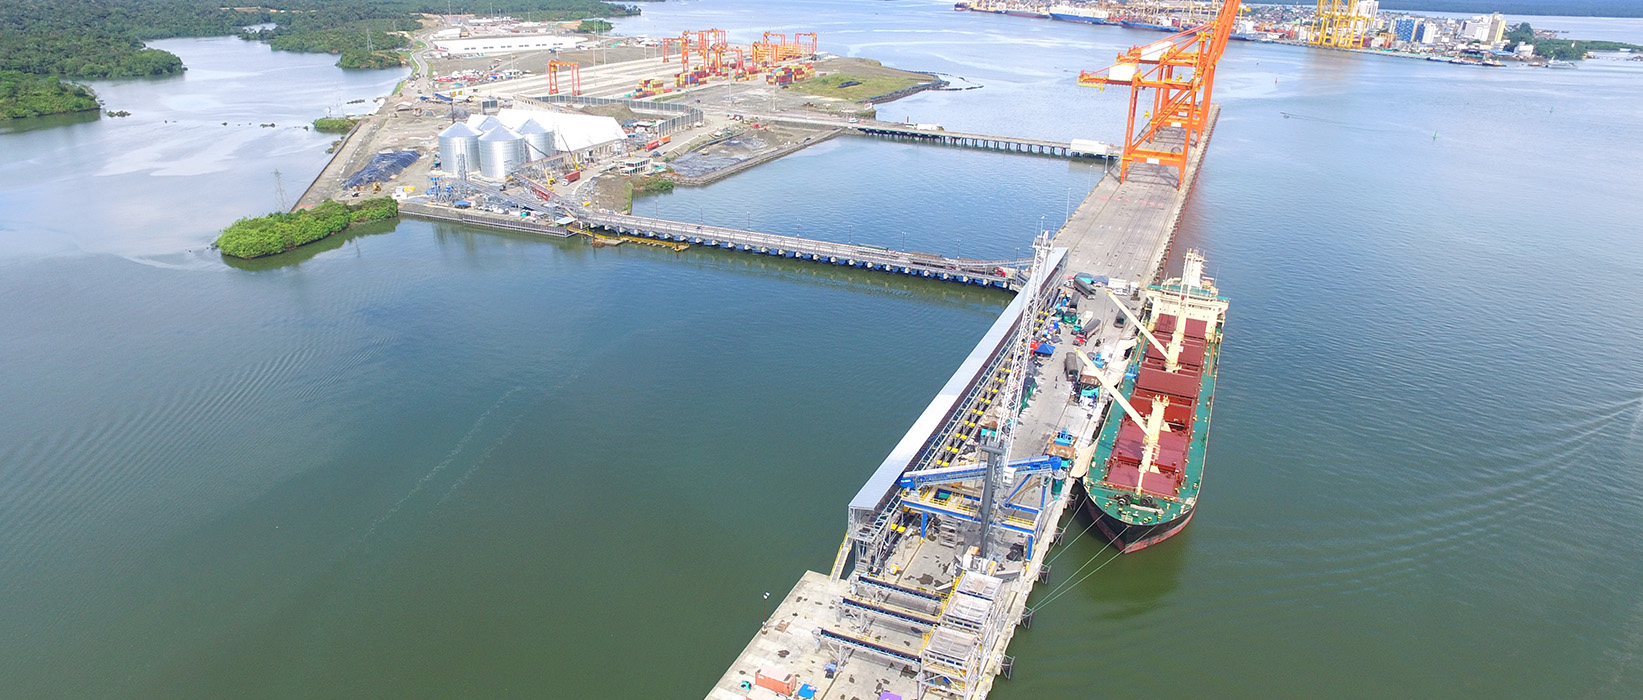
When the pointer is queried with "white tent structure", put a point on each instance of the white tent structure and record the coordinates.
(586, 135)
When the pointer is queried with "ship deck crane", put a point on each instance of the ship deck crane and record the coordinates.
(1178, 72)
(1152, 425)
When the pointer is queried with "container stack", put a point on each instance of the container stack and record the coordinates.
(691, 78)
(649, 87)
(792, 73)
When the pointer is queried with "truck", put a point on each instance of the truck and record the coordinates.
(1088, 322)
(1090, 148)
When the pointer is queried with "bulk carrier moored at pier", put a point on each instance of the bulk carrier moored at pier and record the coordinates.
(1144, 480)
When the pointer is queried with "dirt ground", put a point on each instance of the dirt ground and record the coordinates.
(742, 143)
(620, 113)
(611, 192)
(760, 97)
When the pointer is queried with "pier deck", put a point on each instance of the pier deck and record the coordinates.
(999, 273)
(873, 625)
(938, 135)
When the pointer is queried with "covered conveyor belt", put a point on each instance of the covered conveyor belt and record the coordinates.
(907, 616)
(864, 645)
(956, 507)
(886, 585)
(967, 472)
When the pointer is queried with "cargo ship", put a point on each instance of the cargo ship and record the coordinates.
(1143, 482)
(1068, 13)
(1148, 25)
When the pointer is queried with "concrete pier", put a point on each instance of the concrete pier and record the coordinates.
(891, 615)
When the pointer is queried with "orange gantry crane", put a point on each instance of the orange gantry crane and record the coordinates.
(704, 43)
(680, 44)
(575, 77)
(805, 42)
(776, 48)
(1179, 73)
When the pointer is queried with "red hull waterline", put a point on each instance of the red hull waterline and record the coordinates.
(1125, 539)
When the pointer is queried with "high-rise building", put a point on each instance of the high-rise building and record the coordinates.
(1426, 33)
(1497, 29)
(1404, 28)
(1475, 29)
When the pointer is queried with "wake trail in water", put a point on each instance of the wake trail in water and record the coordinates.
(437, 468)
(485, 456)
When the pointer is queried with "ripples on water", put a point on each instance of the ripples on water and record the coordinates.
(438, 462)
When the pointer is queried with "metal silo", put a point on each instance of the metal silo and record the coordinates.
(482, 123)
(499, 152)
(458, 149)
(538, 141)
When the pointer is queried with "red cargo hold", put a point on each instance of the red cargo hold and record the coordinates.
(1173, 384)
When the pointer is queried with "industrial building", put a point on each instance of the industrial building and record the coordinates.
(507, 43)
(493, 146)
(585, 135)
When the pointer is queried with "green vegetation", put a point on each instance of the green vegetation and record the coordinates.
(279, 232)
(98, 39)
(652, 184)
(866, 85)
(595, 26)
(334, 125)
(1561, 49)
(25, 95)
(103, 39)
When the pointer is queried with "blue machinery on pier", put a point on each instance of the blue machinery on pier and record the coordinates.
(952, 418)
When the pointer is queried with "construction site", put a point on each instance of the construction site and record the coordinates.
(603, 114)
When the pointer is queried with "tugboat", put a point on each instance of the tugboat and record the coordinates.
(1143, 483)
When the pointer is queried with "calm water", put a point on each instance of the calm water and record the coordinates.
(435, 462)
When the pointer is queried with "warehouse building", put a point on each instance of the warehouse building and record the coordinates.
(586, 135)
(507, 43)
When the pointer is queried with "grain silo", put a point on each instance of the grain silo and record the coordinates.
(458, 149)
(499, 152)
(538, 141)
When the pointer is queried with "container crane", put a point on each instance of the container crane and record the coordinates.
(1341, 24)
(1178, 73)
(575, 77)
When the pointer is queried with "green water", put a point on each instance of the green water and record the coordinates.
(427, 461)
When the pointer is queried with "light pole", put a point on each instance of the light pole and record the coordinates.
(1069, 215)
(852, 238)
(904, 241)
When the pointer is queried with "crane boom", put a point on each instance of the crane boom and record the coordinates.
(1137, 321)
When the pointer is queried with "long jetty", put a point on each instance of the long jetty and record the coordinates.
(899, 612)
(996, 273)
(936, 135)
